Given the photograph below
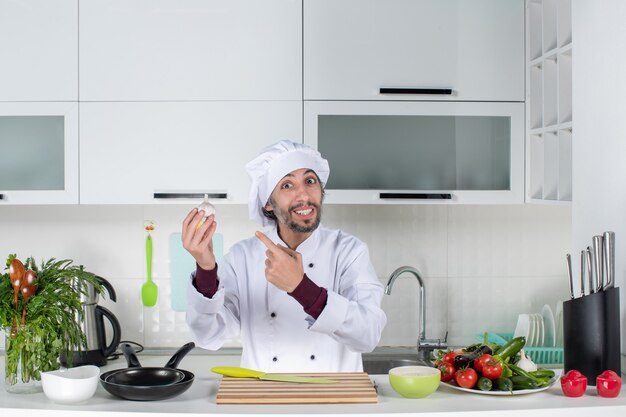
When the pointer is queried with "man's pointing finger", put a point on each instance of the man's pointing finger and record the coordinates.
(266, 240)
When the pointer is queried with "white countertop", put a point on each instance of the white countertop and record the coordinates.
(199, 399)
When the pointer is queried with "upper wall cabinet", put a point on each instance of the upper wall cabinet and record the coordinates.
(402, 152)
(144, 50)
(414, 50)
(39, 50)
(40, 153)
(167, 152)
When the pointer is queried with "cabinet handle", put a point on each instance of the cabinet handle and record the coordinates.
(190, 195)
(416, 196)
(1, 196)
(430, 91)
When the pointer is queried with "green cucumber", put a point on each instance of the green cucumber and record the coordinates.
(484, 384)
(523, 382)
(504, 384)
(511, 348)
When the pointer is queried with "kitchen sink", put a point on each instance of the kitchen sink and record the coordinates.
(382, 362)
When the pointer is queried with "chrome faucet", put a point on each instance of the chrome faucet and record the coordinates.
(424, 346)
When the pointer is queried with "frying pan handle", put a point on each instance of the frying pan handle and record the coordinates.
(129, 354)
(179, 355)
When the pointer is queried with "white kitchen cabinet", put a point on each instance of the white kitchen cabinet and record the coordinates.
(355, 48)
(39, 50)
(419, 152)
(549, 101)
(145, 50)
(39, 143)
(136, 153)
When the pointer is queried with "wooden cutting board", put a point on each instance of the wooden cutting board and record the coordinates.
(351, 388)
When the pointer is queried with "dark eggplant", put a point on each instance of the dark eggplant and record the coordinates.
(467, 359)
(463, 361)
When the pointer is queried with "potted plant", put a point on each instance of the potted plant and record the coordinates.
(41, 313)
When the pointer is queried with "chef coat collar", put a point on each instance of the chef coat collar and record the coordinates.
(310, 244)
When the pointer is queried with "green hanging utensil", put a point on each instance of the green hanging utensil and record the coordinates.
(149, 290)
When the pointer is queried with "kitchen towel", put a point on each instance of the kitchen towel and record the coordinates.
(182, 265)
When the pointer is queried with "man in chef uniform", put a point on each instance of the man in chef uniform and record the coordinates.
(303, 298)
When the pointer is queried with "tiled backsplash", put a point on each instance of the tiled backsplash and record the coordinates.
(482, 264)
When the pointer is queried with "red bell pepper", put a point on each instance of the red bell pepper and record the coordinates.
(608, 384)
(573, 384)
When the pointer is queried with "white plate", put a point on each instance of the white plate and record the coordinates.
(559, 324)
(549, 325)
(503, 393)
(523, 326)
(533, 335)
(540, 331)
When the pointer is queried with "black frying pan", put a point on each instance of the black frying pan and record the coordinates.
(147, 383)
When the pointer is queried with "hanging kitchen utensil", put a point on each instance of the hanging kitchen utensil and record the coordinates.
(149, 290)
(249, 373)
(133, 385)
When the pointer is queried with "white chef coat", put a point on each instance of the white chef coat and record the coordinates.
(276, 334)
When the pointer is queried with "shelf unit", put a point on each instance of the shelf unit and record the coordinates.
(549, 101)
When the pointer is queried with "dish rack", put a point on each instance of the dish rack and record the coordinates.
(539, 355)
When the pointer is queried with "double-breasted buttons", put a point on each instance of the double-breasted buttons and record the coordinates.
(272, 315)
(311, 265)
(274, 359)
(312, 357)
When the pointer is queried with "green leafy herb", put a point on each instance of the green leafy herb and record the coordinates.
(53, 317)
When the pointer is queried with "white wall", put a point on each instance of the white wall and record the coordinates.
(599, 114)
(483, 265)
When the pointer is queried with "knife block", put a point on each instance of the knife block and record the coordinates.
(591, 334)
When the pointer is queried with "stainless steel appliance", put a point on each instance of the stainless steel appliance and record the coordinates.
(93, 326)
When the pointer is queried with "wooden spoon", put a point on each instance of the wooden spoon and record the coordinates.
(16, 274)
(28, 289)
(27, 292)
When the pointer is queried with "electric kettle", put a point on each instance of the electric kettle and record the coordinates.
(93, 326)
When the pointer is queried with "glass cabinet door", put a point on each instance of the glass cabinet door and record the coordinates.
(40, 153)
(398, 151)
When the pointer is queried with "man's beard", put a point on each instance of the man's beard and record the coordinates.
(287, 220)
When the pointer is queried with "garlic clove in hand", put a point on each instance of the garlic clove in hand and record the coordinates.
(208, 208)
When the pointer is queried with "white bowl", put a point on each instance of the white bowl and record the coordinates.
(73, 385)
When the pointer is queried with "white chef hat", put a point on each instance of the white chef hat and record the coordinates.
(274, 162)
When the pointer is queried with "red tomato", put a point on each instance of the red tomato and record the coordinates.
(608, 384)
(573, 384)
(481, 360)
(466, 378)
(447, 371)
(492, 369)
(449, 357)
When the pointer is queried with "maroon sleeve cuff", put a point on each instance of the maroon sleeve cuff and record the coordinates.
(310, 296)
(206, 281)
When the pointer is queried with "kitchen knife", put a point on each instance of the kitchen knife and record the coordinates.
(249, 373)
(609, 259)
(589, 269)
(568, 258)
(598, 261)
